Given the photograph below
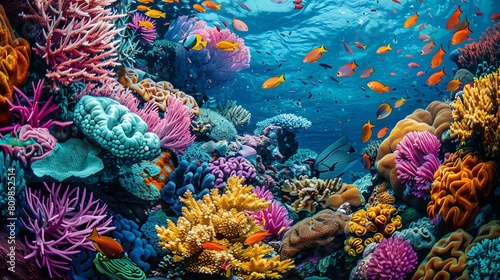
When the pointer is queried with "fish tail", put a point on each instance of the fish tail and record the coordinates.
(363, 47)
(442, 71)
(237, 45)
(389, 47)
(282, 78)
(163, 15)
(322, 48)
(354, 64)
(204, 43)
(218, 6)
(387, 89)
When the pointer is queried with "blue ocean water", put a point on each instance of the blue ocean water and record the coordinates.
(275, 27)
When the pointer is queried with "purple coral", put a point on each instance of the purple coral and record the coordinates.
(223, 169)
(417, 160)
(61, 221)
(210, 67)
(29, 143)
(275, 217)
(393, 258)
(33, 113)
(146, 35)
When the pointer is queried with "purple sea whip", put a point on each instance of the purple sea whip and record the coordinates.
(146, 35)
(61, 221)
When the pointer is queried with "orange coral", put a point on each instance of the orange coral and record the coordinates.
(156, 91)
(164, 162)
(371, 225)
(14, 63)
(318, 230)
(436, 118)
(380, 195)
(348, 193)
(460, 185)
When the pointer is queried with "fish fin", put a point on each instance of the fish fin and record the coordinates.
(354, 63)
(218, 6)
(94, 235)
(203, 43)
(389, 47)
(96, 246)
(323, 48)
(387, 89)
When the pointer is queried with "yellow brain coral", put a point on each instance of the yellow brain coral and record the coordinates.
(222, 219)
(477, 113)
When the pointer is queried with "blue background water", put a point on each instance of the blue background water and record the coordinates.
(328, 22)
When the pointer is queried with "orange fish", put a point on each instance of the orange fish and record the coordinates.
(461, 25)
(366, 131)
(367, 161)
(384, 49)
(399, 102)
(211, 5)
(106, 245)
(199, 8)
(437, 59)
(314, 54)
(273, 82)
(378, 87)
(213, 246)
(453, 84)
(383, 111)
(420, 73)
(495, 17)
(382, 132)
(454, 19)
(143, 8)
(435, 78)
(427, 48)
(146, 1)
(460, 36)
(257, 237)
(411, 21)
(360, 46)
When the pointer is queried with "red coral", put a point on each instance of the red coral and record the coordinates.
(486, 50)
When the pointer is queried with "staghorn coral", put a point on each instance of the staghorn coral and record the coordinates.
(319, 230)
(371, 225)
(222, 219)
(235, 113)
(461, 184)
(436, 118)
(477, 113)
(312, 192)
(485, 50)
(15, 56)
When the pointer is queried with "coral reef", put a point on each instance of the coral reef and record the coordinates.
(222, 219)
(74, 157)
(421, 234)
(483, 259)
(220, 127)
(380, 195)
(477, 115)
(61, 221)
(115, 128)
(289, 122)
(15, 60)
(223, 168)
(81, 49)
(28, 143)
(436, 118)
(236, 114)
(324, 229)
(485, 50)
(460, 187)
(147, 35)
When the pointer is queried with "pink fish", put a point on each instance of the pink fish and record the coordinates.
(413, 65)
(399, 51)
(239, 25)
(409, 56)
(420, 73)
(346, 46)
(367, 72)
(424, 37)
(393, 74)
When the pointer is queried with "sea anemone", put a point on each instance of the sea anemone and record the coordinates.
(141, 25)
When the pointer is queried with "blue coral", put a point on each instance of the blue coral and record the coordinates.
(149, 230)
(483, 259)
(132, 179)
(187, 176)
(132, 240)
(289, 122)
(115, 128)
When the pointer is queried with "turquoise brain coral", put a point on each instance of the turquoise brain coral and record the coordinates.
(74, 157)
(483, 259)
(115, 128)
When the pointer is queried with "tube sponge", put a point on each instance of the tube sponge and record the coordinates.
(115, 128)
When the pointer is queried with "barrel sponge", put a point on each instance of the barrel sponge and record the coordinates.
(115, 128)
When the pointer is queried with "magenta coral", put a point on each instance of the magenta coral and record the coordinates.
(224, 168)
(78, 39)
(416, 161)
(274, 218)
(29, 143)
(33, 113)
(393, 259)
(61, 221)
(146, 35)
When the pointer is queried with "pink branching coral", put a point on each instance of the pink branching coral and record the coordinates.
(61, 221)
(146, 35)
(33, 113)
(485, 50)
(78, 39)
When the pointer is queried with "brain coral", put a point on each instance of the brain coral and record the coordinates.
(477, 113)
(460, 185)
(436, 118)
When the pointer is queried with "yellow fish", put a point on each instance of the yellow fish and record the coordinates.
(314, 54)
(273, 82)
(366, 131)
(146, 1)
(146, 24)
(156, 14)
(384, 49)
(399, 102)
(378, 87)
(143, 8)
(227, 45)
(453, 84)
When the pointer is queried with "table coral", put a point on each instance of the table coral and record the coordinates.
(477, 113)
(222, 219)
(15, 58)
(461, 184)
(436, 118)
(317, 231)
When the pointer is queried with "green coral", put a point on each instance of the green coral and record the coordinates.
(118, 269)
